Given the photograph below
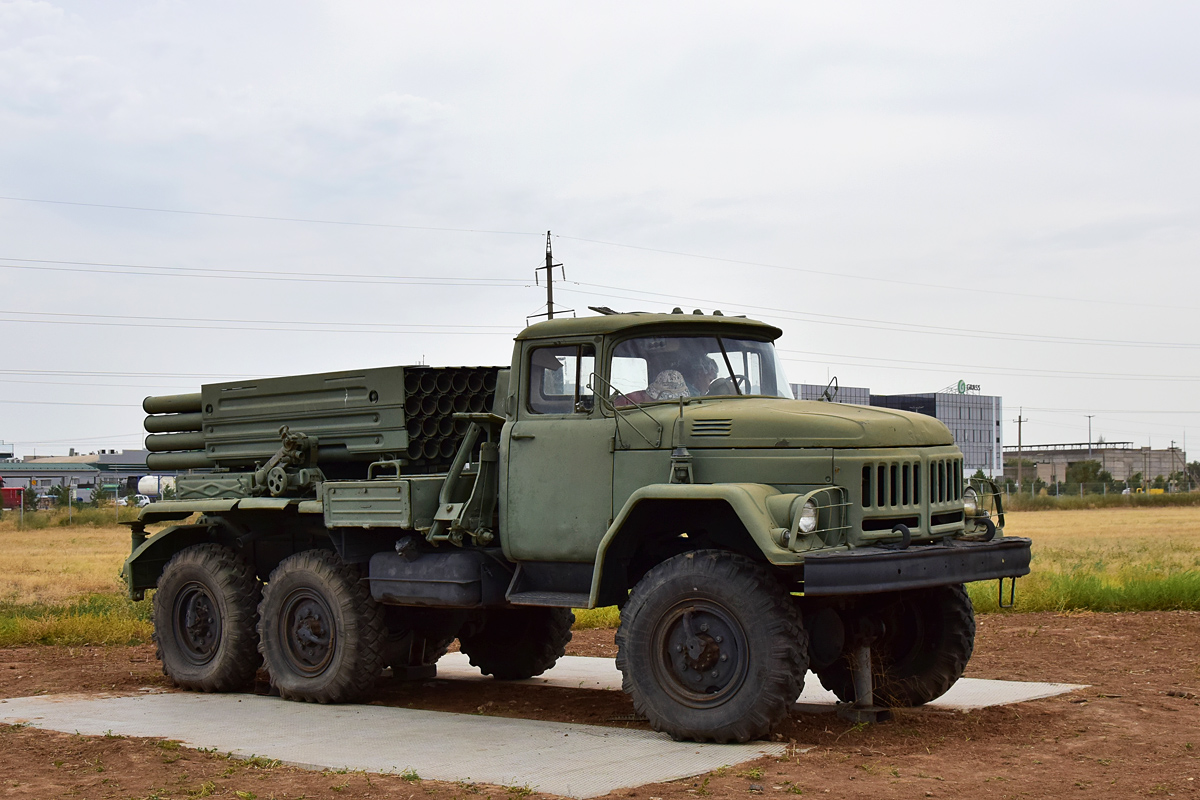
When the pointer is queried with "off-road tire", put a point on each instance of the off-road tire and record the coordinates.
(320, 631)
(205, 615)
(733, 693)
(404, 634)
(518, 643)
(928, 639)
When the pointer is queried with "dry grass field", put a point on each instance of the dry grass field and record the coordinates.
(59, 584)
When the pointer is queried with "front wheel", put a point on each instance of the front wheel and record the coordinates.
(711, 648)
(928, 636)
(205, 610)
(322, 633)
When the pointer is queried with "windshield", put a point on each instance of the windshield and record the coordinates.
(653, 368)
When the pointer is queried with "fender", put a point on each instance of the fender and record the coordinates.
(747, 500)
(144, 566)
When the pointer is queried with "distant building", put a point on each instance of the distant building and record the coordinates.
(854, 395)
(84, 472)
(40, 478)
(974, 419)
(1121, 459)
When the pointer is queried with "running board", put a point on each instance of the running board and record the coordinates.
(553, 599)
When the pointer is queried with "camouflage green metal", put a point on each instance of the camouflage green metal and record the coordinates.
(656, 459)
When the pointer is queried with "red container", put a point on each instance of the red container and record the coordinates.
(12, 497)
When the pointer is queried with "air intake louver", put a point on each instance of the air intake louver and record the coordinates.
(712, 427)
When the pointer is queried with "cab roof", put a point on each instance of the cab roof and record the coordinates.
(612, 323)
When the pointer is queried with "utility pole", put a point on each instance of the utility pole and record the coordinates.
(1089, 416)
(549, 267)
(1020, 466)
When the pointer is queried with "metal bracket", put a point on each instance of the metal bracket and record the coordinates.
(863, 709)
(1012, 593)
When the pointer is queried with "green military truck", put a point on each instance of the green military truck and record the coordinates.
(335, 527)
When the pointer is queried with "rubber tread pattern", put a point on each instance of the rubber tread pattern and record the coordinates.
(944, 665)
(357, 667)
(771, 611)
(519, 643)
(239, 593)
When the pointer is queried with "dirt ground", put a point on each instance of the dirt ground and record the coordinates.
(1135, 732)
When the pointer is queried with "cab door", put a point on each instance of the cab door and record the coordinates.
(558, 487)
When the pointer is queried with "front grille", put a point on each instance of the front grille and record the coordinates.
(945, 480)
(891, 484)
(894, 484)
(712, 427)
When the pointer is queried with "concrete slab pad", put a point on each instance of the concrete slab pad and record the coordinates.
(579, 672)
(561, 758)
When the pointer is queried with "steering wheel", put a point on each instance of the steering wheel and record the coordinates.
(738, 384)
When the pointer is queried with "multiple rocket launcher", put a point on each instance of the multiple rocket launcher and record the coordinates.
(356, 417)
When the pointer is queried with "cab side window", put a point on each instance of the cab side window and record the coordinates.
(559, 378)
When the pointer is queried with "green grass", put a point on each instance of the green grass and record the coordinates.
(58, 585)
(80, 516)
(95, 619)
(608, 617)
(1134, 589)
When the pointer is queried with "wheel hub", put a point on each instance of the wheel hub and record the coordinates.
(703, 651)
(309, 632)
(197, 623)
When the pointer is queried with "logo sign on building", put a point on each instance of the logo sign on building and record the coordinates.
(964, 387)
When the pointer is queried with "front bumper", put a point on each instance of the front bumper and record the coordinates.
(870, 570)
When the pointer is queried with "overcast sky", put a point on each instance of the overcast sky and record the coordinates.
(916, 193)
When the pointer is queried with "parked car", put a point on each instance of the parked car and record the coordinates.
(139, 500)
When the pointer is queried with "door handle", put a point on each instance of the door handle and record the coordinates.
(520, 436)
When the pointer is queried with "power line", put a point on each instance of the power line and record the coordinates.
(60, 403)
(1106, 411)
(116, 437)
(222, 321)
(770, 312)
(990, 291)
(267, 218)
(102, 268)
(123, 374)
(293, 329)
(103, 385)
(991, 370)
(870, 324)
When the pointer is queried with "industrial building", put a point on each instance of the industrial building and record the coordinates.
(974, 419)
(1121, 459)
(83, 471)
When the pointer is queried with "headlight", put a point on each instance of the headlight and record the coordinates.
(970, 503)
(808, 517)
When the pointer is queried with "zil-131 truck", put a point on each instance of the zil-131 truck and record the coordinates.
(332, 528)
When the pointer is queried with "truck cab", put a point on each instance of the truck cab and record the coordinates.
(656, 462)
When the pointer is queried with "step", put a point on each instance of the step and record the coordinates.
(555, 599)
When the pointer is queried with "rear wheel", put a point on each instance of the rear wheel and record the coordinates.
(928, 636)
(517, 643)
(416, 638)
(321, 631)
(712, 648)
(205, 612)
